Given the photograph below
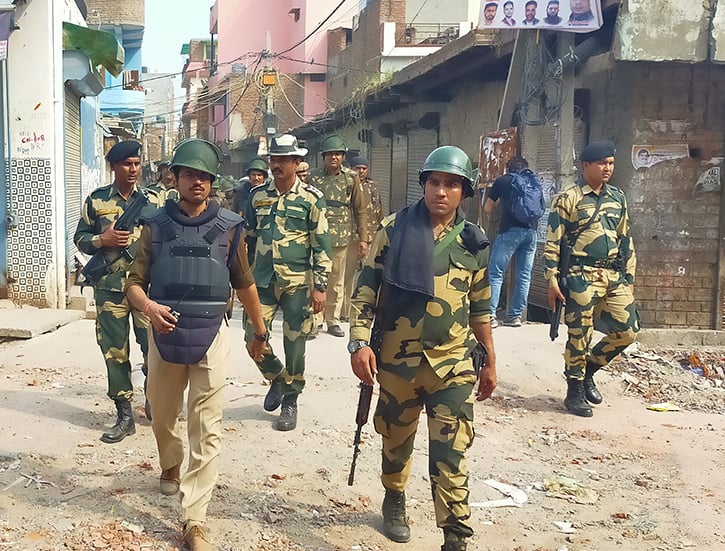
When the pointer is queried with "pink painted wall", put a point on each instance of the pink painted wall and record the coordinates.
(242, 27)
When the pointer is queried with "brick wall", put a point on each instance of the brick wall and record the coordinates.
(116, 11)
(675, 227)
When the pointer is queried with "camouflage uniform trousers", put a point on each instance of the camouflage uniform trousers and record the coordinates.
(112, 334)
(603, 295)
(297, 322)
(352, 270)
(336, 286)
(449, 407)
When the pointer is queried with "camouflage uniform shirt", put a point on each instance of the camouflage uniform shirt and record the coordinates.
(290, 231)
(343, 193)
(102, 207)
(437, 329)
(602, 240)
(375, 206)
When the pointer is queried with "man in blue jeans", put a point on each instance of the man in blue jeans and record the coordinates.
(514, 239)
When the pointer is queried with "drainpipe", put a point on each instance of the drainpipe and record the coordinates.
(55, 278)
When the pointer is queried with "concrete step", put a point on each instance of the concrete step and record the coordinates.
(28, 321)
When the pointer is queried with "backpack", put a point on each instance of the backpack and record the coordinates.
(527, 198)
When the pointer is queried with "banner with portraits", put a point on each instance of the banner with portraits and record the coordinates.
(579, 16)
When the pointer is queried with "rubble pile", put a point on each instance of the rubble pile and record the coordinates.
(685, 378)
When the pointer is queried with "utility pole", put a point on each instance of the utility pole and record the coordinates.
(269, 81)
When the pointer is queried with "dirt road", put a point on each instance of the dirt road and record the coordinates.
(629, 478)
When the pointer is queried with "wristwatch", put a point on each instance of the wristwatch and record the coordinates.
(354, 346)
(321, 288)
(264, 337)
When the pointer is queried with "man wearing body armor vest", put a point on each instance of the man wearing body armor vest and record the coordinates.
(428, 310)
(346, 199)
(191, 254)
(96, 231)
(288, 240)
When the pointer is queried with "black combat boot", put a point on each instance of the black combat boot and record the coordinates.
(453, 541)
(395, 520)
(124, 423)
(575, 401)
(274, 395)
(288, 416)
(591, 392)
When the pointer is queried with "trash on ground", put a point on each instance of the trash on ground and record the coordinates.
(564, 526)
(664, 406)
(565, 487)
(516, 497)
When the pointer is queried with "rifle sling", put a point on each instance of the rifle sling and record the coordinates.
(448, 239)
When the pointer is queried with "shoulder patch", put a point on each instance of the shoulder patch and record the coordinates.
(314, 191)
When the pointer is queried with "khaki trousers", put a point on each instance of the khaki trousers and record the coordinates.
(352, 266)
(165, 392)
(336, 286)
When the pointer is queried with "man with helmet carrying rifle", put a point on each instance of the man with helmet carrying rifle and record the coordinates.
(191, 254)
(346, 199)
(425, 286)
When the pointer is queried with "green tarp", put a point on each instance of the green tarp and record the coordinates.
(101, 47)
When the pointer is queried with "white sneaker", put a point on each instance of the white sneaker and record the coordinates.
(494, 323)
(513, 322)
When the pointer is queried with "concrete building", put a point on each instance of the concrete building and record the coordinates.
(42, 140)
(544, 95)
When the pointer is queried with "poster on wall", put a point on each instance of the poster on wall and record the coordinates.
(644, 156)
(579, 16)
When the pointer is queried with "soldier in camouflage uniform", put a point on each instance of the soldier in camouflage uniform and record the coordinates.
(600, 277)
(165, 185)
(288, 240)
(346, 200)
(223, 191)
(375, 216)
(257, 174)
(425, 285)
(95, 231)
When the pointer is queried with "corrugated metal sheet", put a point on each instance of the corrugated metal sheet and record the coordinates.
(73, 197)
(380, 164)
(420, 143)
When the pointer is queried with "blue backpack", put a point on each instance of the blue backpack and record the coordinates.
(527, 197)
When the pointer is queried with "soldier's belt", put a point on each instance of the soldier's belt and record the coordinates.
(607, 263)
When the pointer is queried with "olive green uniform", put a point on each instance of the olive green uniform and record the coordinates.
(353, 264)
(425, 361)
(288, 236)
(101, 208)
(599, 285)
(346, 199)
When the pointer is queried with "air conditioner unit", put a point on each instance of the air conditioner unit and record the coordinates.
(239, 69)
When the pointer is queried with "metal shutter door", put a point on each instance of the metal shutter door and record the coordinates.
(380, 155)
(72, 155)
(420, 143)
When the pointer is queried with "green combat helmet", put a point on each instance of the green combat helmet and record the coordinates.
(199, 155)
(258, 164)
(452, 160)
(333, 142)
(227, 184)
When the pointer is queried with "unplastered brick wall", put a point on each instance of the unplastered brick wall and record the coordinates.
(675, 221)
(116, 11)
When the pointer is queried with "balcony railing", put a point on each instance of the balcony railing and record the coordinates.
(429, 33)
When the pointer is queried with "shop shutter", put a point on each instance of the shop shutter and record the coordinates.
(380, 162)
(72, 153)
(420, 143)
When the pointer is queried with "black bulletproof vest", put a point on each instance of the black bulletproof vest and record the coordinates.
(190, 274)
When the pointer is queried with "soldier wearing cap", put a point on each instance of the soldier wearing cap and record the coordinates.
(592, 216)
(346, 200)
(96, 231)
(257, 174)
(191, 254)
(288, 240)
(429, 308)
(375, 215)
(303, 171)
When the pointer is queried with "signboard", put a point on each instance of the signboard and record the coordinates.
(646, 155)
(579, 16)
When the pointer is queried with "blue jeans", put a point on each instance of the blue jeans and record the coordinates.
(521, 244)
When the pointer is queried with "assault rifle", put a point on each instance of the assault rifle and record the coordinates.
(99, 264)
(479, 356)
(564, 261)
(366, 391)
